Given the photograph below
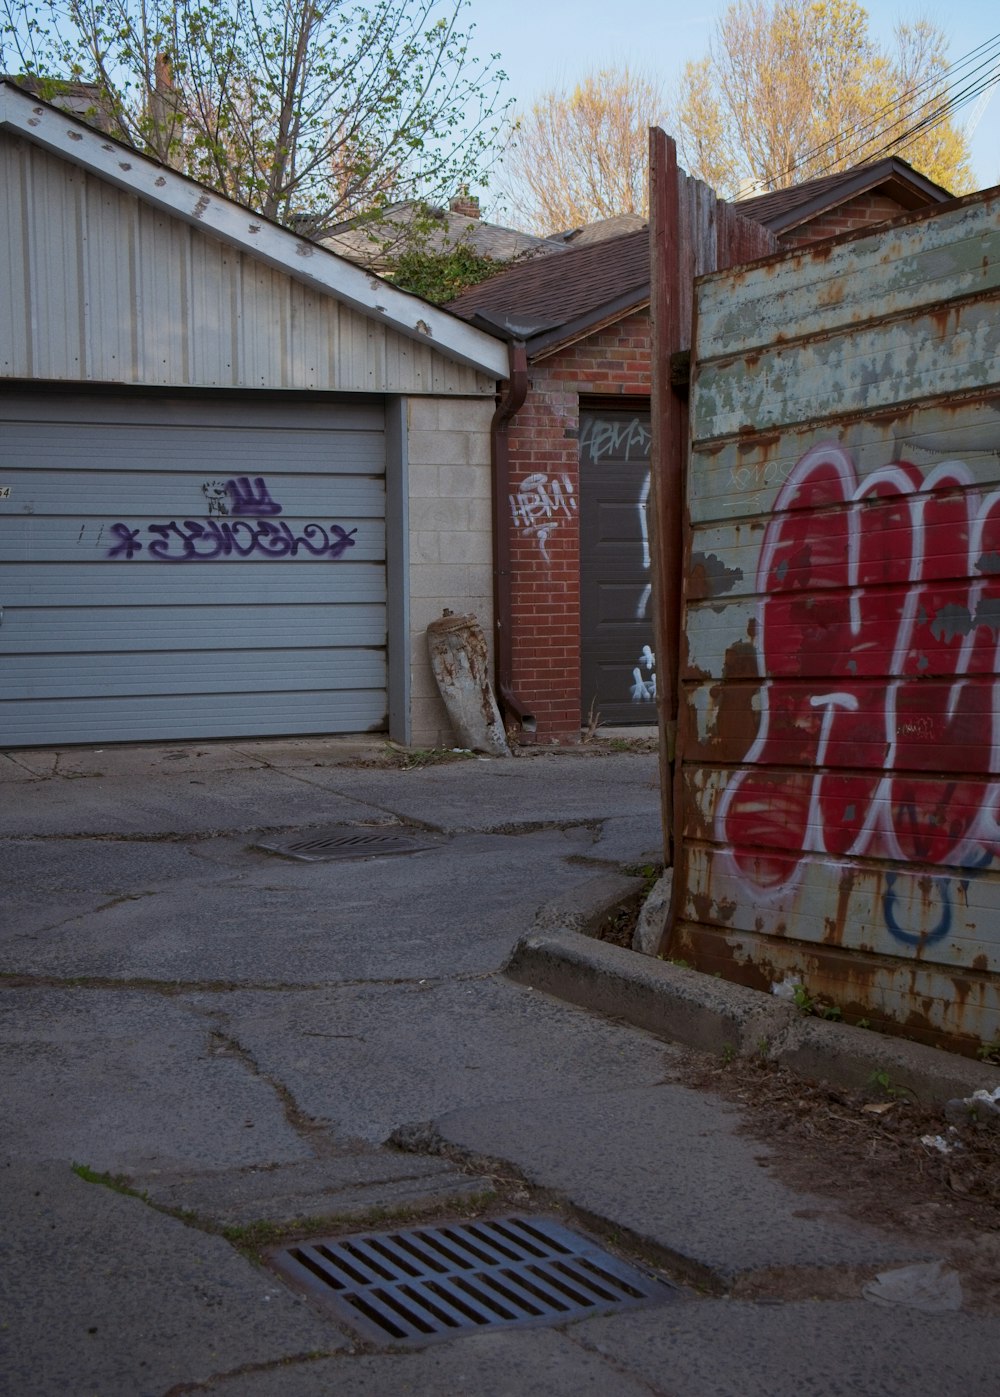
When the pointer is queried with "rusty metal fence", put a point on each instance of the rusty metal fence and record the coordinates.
(839, 739)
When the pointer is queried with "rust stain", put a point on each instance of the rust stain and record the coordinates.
(709, 576)
(726, 910)
(764, 443)
(981, 962)
(698, 821)
(735, 715)
(832, 294)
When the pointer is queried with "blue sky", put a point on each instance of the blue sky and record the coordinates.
(546, 43)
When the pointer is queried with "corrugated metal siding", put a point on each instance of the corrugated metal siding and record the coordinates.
(841, 709)
(175, 568)
(98, 286)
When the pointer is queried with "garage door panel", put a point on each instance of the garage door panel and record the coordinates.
(146, 540)
(175, 567)
(186, 672)
(37, 630)
(217, 715)
(38, 492)
(193, 584)
(237, 450)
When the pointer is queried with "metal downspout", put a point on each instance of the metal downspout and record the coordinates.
(510, 403)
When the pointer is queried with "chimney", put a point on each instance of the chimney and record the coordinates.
(165, 111)
(465, 203)
(163, 74)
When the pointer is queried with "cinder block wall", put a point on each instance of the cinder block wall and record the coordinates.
(451, 543)
(545, 476)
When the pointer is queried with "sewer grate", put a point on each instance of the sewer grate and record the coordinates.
(343, 843)
(429, 1283)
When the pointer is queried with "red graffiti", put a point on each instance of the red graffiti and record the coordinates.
(878, 630)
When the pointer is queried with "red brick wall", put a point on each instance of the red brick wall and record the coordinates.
(545, 568)
(864, 211)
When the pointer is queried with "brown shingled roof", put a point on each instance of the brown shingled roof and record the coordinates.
(549, 302)
(784, 209)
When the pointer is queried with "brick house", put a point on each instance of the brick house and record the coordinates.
(581, 636)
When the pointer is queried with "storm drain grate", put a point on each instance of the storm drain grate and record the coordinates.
(438, 1282)
(346, 844)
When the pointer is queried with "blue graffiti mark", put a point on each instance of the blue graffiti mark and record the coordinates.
(916, 938)
(245, 501)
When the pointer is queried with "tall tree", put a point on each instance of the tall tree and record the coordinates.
(582, 155)
(314, 108)
(792, 90)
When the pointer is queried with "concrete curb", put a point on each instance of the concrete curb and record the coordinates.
(715, 1016)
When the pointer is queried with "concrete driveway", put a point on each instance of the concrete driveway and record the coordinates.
(200, 1037)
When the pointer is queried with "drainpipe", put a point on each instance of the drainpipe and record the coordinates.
(510, 402)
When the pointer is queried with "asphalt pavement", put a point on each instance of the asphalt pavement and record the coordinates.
(205, 1043)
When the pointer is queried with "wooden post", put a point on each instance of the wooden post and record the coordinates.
(666, 498)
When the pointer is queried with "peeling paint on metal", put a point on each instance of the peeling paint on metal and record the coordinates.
(841, 766)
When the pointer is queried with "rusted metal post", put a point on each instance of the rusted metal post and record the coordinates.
(666, 459)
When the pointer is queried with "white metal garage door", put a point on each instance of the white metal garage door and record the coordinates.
(176, 568)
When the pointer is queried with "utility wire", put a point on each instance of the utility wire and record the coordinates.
(946, 105)
(990, 62)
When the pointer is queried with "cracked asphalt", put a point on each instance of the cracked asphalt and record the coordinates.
(204, 1045)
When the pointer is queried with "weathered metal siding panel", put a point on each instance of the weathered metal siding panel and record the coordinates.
(841, 684)
(100, 287)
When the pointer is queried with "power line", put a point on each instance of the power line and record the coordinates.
(990, 62)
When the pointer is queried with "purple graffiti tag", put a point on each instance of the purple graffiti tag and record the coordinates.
(246, 501)
(204, 540)
(128, 541)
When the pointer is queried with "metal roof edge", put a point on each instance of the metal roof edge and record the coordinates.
(201, 207)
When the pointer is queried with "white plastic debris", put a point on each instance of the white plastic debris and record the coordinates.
(938, 1142)
(980, 1103)
(928, 1286)
(785, 989)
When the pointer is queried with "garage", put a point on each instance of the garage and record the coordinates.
(197, 568)
(238, 475)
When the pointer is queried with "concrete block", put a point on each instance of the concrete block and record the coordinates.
(443, 448)
(422, 414)
(465, 415)
(424, 480)
(423, 610)
(452, 516)
(425, 546)
(431, 727)
(463, 546)
(427, 580)
(468, 481)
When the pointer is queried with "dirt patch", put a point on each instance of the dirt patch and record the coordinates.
(865, 1151)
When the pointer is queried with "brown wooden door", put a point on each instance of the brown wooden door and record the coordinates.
(617, 664)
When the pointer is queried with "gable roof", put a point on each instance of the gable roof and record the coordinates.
(179, 197)
(602, 229)
(363, 240)
(547, 302)
(785, 209)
